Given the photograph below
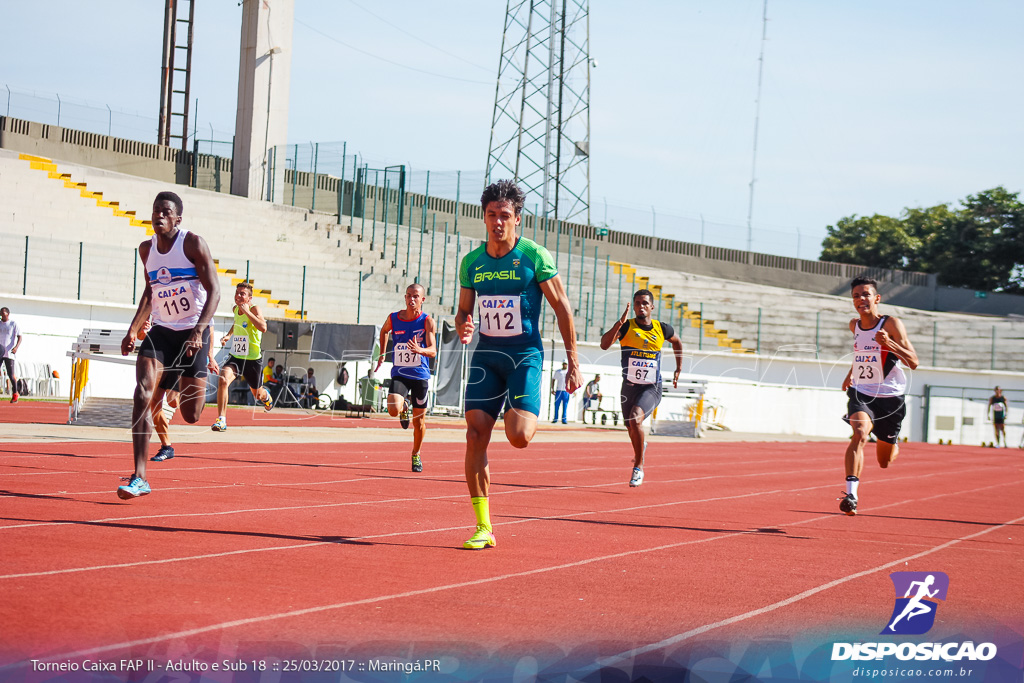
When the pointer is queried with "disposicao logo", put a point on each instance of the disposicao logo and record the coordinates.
(917, 596)
(917, 601)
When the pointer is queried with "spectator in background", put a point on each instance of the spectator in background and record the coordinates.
(273, 378)
(558, 389)
(591, 392)
(309, 390)
(10, 341)
(997, 412)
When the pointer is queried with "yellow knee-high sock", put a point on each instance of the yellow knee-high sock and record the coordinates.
(482, 508)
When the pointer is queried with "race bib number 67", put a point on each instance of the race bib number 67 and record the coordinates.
(500, 316)
(641, 371)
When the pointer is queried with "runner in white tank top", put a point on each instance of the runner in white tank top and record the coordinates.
(876, 370)
(178, 295)
(181, 294)
(875, 385)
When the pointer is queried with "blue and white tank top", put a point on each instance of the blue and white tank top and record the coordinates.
(876, 371)
(178, 296)
(406, 363)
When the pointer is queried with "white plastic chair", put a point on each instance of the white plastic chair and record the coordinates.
(48, 384)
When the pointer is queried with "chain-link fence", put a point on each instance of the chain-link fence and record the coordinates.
(597, 291)
(313, 171)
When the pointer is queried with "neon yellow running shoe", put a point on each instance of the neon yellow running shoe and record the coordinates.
(481, 539)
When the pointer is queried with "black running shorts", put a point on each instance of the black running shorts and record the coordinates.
(168, 348)
(251, 370)
(645, 396)
(886, 413)
(416, 388)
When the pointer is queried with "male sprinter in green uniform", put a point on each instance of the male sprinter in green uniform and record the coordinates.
(506, 277)
(641, 340)
(245, 355)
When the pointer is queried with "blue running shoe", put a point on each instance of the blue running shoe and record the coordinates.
(165, 453)
(136, 486)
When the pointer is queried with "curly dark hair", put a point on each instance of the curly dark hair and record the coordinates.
(644, 292)
(173, 198)
(504, 191)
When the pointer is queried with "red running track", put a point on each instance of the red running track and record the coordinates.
(28, 411)
(295, 549)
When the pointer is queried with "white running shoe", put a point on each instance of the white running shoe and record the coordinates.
(637, 478)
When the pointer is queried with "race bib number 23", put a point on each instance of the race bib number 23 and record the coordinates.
(867, 365)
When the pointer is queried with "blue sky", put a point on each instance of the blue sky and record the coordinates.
(867, 107)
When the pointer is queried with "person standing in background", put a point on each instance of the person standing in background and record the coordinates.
(10, 342)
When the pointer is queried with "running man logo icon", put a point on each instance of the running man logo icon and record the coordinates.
(917, 594)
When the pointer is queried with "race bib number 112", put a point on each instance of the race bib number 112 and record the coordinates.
(500, 316)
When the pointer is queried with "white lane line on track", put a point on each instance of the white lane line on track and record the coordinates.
(372, 479)
(558, 517)
(667, 642)
(370, 501)
(392, 500)
(531, 572)
(458, 496)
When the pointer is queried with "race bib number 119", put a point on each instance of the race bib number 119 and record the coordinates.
(173, 302)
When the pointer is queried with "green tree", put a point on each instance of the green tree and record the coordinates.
(979, 245)
(878, 241)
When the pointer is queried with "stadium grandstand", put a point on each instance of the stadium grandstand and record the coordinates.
(73, 218)
(306, 533)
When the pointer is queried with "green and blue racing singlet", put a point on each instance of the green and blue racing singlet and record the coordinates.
(508, 294)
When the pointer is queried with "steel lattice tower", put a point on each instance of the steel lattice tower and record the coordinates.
(540, 131)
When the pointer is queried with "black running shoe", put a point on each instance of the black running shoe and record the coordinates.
(417, 464)
(848, 504)
(165, 453)
(403, 418)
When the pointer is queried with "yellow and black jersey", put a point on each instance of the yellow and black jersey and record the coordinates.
(641, 350)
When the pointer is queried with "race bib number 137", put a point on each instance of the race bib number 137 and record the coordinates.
(404, 358)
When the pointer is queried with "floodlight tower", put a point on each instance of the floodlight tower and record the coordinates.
(540, 130)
